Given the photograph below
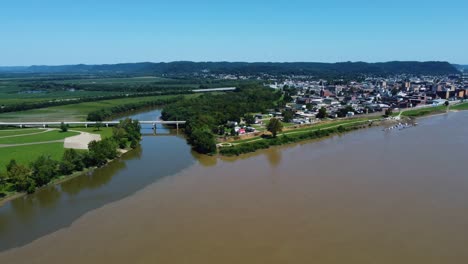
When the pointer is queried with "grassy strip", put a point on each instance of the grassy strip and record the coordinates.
(15, 132)
(462, 106)
(424, 111)
(310, 128)
(27, 154)
(48, 136)
(286, 139)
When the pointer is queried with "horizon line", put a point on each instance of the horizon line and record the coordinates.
(220, 61)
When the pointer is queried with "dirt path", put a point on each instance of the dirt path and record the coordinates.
(80, 141)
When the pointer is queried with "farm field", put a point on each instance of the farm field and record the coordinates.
(72, 112)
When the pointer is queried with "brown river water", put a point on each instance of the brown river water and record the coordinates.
(364, 197)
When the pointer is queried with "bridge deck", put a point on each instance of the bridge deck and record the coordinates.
(88, 123)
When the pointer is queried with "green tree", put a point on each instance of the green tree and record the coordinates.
(11, 165)
(322, 113)
(71, 161)
(120, 136)
(19, 175)
(63, 127)
(388, 112)
(44, 169)
(98, 125)
(288, 116)
(3, 179)
(249, 119)
(274, 126)
(203, 141)
(101, 151)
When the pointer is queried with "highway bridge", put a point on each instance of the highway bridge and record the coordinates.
(86, 123)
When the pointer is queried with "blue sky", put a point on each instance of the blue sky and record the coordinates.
(57, 32)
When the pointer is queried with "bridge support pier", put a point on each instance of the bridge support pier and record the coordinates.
(107, 125)
(86, 125)
(43, 126)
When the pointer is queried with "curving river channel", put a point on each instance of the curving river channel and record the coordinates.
(364, 197)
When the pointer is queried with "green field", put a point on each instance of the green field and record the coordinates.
(42, 137)
(119, 81)
(19, 131)
(39, 89)
(73, 112)
(26, 154)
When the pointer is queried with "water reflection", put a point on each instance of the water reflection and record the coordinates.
(100, 177)
(274, 156)
(51, 208)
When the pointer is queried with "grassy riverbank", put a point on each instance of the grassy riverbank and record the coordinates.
(295, 135)
(322, 130)
(25, 174)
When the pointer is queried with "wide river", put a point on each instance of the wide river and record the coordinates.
(364, 197)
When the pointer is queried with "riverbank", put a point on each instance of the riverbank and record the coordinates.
(61, 179)
(93, 152)
(324, 130)
(323, 201)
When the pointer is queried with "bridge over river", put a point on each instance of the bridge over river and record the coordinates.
(87, 123)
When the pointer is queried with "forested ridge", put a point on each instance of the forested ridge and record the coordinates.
(308, 68)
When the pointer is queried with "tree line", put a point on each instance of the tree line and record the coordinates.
(106, 113)
(43, 104)
(40, 172)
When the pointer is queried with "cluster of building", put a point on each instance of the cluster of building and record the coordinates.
(342, 98)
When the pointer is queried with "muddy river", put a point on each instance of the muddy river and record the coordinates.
(364, 197)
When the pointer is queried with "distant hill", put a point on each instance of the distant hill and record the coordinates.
(460, 67)
(305, 68)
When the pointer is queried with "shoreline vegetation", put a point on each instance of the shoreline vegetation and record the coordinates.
(209, 119)
(201, 131)
(20, 179)
(321, 131)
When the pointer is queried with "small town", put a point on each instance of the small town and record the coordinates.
(310, 100)
(227, 132)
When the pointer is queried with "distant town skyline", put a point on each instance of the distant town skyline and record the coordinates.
(53, 32)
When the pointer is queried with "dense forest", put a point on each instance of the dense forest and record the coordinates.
(244, 68)
(206, 113)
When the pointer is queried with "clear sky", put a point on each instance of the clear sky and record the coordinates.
(56, 32)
